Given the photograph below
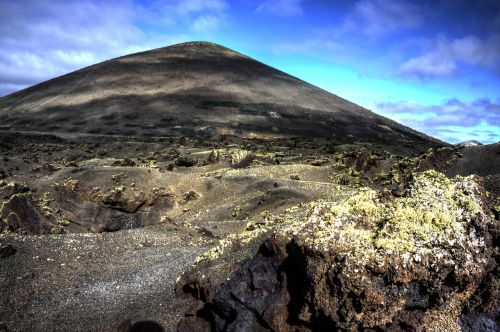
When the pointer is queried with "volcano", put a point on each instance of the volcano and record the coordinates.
(194, 89)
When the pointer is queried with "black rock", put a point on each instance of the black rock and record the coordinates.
(185, 161)
(6, 251)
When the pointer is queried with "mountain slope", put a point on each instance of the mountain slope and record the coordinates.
(194, 88)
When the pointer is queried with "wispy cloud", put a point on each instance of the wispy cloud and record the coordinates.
(365, 21)
(453, 120)
(43, 39)
(195, 6)
(377, 18)
(442, 56)
(205, 23)
(281, 7)
(315, 46)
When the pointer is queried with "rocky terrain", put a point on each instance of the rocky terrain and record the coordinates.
(193, 188)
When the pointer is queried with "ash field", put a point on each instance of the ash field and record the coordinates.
(192, 188)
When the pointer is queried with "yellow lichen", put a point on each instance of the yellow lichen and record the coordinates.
(226, 244)
(241, 158)
(44, 204)
(435, 207)
(68, 184)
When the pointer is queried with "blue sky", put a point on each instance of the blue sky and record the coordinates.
(431, 65)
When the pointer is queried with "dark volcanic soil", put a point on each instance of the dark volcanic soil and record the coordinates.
(84, 282)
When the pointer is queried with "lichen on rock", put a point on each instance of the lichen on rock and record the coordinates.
(363, 263)
(68, 184)
(241, 158)
(434, 211)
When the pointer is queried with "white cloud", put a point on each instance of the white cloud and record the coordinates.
(441, 56)
(367, 20)
(376, 18)
(477, 51)
(206, 23)
(453, 120)
(196, 6)
(430, 64)
(43, 39)
(281, 7)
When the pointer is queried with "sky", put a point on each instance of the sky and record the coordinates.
(431, 65)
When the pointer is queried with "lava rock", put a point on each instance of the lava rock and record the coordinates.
(241, 158)
(360, 264)
(12, 189)
(7, 251)
(21, 214)
(116, 199)
(128, 162)
(360, 161)
(185, 161)
(191, 196)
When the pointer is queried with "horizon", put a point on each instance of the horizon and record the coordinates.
(391, 57)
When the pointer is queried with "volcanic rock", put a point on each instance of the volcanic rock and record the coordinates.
(186, 161)
(409, 264)
(6, 251)
(20, 214)
(11, 189)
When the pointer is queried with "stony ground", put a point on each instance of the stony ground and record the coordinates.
(87, 282)
(97, 229)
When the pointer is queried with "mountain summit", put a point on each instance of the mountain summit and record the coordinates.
(192, 89)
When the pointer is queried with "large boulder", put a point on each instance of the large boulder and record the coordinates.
(111, 208)
(367, 262)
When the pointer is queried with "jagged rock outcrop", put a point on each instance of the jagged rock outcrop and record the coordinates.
(407, 263)
(21, 214)
(11, 189)
(110, 208)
